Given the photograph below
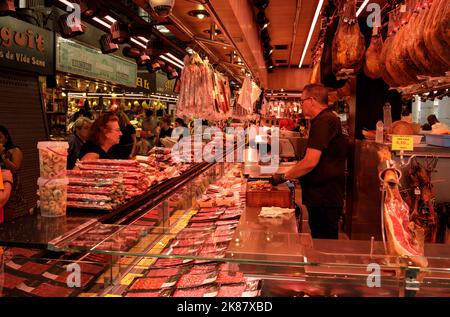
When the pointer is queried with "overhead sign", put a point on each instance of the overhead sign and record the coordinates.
(75, 58)
(24, 46)
(402, 143)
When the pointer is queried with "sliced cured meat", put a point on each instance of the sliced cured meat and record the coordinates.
(205, 291)
(153, 283)
(48, 290)
(187, 242)
(231, 290)
(163, 272)
(34, 268)
(170, 262)
(11, 281)
(28, 253)
(91, 268)
(204, 268)
(195, 280)
(229, 277)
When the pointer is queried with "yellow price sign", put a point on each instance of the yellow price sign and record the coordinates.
(402, 142)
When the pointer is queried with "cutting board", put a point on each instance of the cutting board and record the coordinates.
(279, 196)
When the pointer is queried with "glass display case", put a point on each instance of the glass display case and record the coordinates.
(243, 255)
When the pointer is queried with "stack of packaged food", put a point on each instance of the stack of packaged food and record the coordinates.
(53, 178)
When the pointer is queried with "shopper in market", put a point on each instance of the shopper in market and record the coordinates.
(11, 158)
(181, 129)
(81, 131)
(149, 126)
(85, 111)
(321, 171)
(105, 132)
(165, 130)
(5, 192)
(126, 147)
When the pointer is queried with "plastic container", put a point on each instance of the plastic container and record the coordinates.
(53, 159)
(438, 139)
(53, 196)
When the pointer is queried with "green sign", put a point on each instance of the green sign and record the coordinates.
(75, 58)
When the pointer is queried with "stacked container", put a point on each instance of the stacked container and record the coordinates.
(53, 181)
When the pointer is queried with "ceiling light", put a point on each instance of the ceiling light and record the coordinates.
(138, 43)
(67, 3)
(143, 39)
(102, 22)
(311, 31)
(162, 29)
(199, 14)
(171, 61)
(362, 7)
(110, 19)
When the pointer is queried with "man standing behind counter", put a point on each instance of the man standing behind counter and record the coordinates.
(322, 169)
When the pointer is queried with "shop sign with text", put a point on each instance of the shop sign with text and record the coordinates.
(75, 58)
(26, 47)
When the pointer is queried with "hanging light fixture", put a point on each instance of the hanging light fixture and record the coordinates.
(162, 7)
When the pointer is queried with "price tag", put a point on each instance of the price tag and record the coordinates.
(402, 142)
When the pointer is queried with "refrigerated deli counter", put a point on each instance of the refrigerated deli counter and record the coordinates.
(207, 243)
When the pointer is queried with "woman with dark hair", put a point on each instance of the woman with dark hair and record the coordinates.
(11, 158)
(124, 150)
(105, 132)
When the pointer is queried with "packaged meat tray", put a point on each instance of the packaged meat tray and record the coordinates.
(158, 293)
(20, 252)
(173, 271)
(204, 268)
(38, 289)
(207, 218)
(31, 268)
(226, 222)
(203, 225)
(204, 291)
(236, 290)
(187, 243)
(170, 262)
(153, 283)
(228, 216)
(218, 239)
(181, 251)
(230, 277)
(192, 234)
(60, 274)
(10, 281)
(194, 280)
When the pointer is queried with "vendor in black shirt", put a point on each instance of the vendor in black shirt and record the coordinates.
(321, 171)
(105, 132)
